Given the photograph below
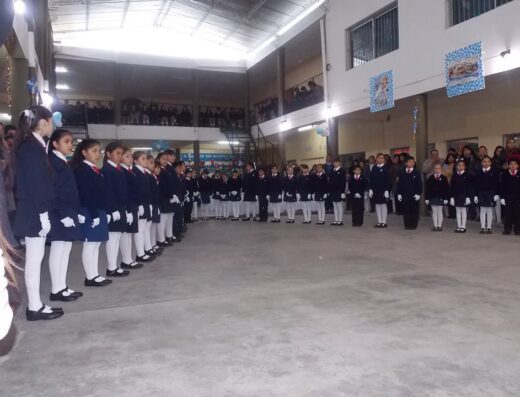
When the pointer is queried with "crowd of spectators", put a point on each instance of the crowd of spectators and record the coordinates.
(135, 112)
(265, 110)
(82, 112)
(221, 117)
(300, 97)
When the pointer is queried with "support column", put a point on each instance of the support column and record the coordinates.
(247, 105)
(281, 149)
(332, 139)
(421, 136)
(281, 81)
(20, 97)
(195, 100)
(117, 95)
(196, 155)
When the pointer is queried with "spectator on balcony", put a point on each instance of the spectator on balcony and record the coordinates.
(163, 114)
(316, 92)
(145, 115)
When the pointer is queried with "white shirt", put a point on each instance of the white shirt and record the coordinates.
(125, 166)
(6, 313)
(89, 163)
(486, 169)
(380, 165)
(40, 139)
(140, 168)
(112, 163)
(337, 169)
(60, 155)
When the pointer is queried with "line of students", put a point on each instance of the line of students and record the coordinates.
(64, 203)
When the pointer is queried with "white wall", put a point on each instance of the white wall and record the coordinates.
(424, 38)
(136, 132)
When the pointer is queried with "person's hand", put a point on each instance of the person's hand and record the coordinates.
(109, 218)
(503, 201)
(475, 200)
(417, 197)
(357, 195)
(130, 217)
(176, 199)
(427, 202)
(496, 198)
(96, 221)
(386, 194)
(151, 209)
(343, 196)
(310, 196)
(298, 196)
(81, 219)
(325, 196)
(116, 215)
(234, 193)
(223, 196)
(370, 193)
(279, 197)
(399, 198)
(45, 223)
(140, 210)
(68, 222)
(445, 202)
(468, 201)
(452, 202)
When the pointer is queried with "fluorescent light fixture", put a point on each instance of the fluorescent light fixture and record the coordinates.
(306, 128)
(330, 112)
(300, 16)
(19, 7)
(228, 142)
(5, 116)
(61, 69)
(62, 87)
(142, 148)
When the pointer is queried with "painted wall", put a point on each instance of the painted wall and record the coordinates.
(305, 147)
(135, 132)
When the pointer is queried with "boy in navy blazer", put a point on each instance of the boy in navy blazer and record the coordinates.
(409, 192)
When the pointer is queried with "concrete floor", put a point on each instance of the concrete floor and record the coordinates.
(288, 310)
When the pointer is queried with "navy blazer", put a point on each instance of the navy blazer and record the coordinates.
(486, 187)
(166, 189)
(320, 186)
(92, 190)
(510, 188)
(34, 187)
(143, 191)
(461, 188)
(262, 188)
(357, 186)
(290, 188)
(379, 183)
(132, 188)
(337, 184)
(409, 184)
(116, 189)
(249, 185)
(305, 187)
(205, 188)
(275, 188)
(234, 185)
(437, 190)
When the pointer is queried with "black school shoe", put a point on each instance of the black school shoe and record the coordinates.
(144, 259)
(164, 244)
(65, 298)
(94, 283)
(246, 219)
(488, 231)
(483, 231)
(131, 266)
(320, 223)
(33, 315)
(117, 273)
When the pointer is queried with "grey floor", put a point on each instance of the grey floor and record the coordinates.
(289, 310)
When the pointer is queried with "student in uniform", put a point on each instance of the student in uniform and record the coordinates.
(357, 187)
(179, 189)
(437, 195)
(486, 194)
(409, 192)
(195, 188)
(65, 222)
(262, 191)
(93, 208)
(510, 198)
(216, 187)
(224, 197)
(337, 186)
(275, 193)
(305, 191)
(205, 189)
(189, 197)
(379, 190)
(321, 192)
(168, 197)
(132, 229)
(461, 193)
(35, 193)
(249, 184)
(117, 198)
(235, 194)
(290, 194)
(153, 170)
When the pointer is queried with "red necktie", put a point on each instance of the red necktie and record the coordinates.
(437, 177)
(357, 177)
(513, 173)
(118, 167)
(96, 169)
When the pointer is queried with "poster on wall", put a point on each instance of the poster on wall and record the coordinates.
(464, 70)
(382, 92)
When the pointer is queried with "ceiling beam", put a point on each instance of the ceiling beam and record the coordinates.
(248, 17)
(125, 11)
(214, 4)
(165, 14)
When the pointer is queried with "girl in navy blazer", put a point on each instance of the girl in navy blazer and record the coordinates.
(154, 168)
(486, 193)
(143, 242)
(305, 191)
(461, 193)
(35, 193)
(217, 186)
(437, 195)
(235, 194)
(321, 192)
(379, 190)
(195, 188)
(290, 191)
(357, 187)
(64, 216)
(409, 190)
(205, 194)
(117, 199)
(93, 208)
(165, 232)
(275, 193)
(224, 197)
(337, 186)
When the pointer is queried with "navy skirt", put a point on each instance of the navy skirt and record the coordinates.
(156, 214)
(94, 234)
(120, 225)
(61, 233)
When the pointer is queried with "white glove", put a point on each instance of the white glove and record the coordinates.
(503, 201)
(475, 199)
(256, 197)
(370, 193)
(187, 199)
(68, 222)
(452, 202)
(325, 195)
(151, 209)
(343, 196)
(417, 197)
(309, 196)
(496, 198)
(140, 210)
(298, 196)
(288, 194)
(427, 202)
(217, 193)
(357, 195)
(130, 217)
(468, 201)
(387, 195)
(108, 218)
(234, 193)
(279, 197)
(46, 224)
(81, 219)
(116, 216)
(196, 194)
(95, 222)
(242, 195)
(399, 197)
(175, 200)
(223, 196)
(445, 202)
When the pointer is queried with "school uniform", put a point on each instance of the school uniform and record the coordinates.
(133, 198)
(165, 231)
(188, 200)
(143, 194)
(235, 195)
(306, 190)
(437, 194)
(155, 191)
(178, 213)
(321, 192)
(262, 191)
(197, 201)
(379, 190)
(357, 187)
(486, 196)
(217, 185)
(409, 190)
(224, 199)
(249, 187)
(337, 186)
(461, 193)
(206, 191)
(510, 199)
(290, 191)
(275, 195)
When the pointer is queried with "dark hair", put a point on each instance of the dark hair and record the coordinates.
(126, 149)
(9, 127)
(157, 163)
(472, 153)
(138, 154)
(251, 164)
(410, 158)
(304, 166)
(448, 156)
(160, 156)
(498, 147)
(85, 144)
(111, 147)
(169, 152)
(487, 157)
(149, 157)
(28, 122)
(56, 137)
(480, 147)
(461, 161)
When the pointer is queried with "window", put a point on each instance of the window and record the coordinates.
(462, 10)
(374, 37)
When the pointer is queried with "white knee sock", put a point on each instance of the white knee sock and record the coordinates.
(338, 211)
(34, 253)
(169, 225)
(139, 238)
(321, 211)
(194, 211)
(236, 209)
(437, 215)
(161, 229)
(147, 240)
(153, 233)
(125, 246)
(462, 213)
(486, 217)
(112, 249)
(65, 256)
(55, 263)
(382, 212)
(498, 212)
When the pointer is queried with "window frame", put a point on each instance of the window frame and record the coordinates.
(450, 14)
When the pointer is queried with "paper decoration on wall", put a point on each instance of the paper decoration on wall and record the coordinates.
(382, 91)
(323, 130)
(415, 120)
(464, 70)
(160, 145)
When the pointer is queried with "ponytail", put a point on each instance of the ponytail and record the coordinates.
(77, 157)
(28, 122)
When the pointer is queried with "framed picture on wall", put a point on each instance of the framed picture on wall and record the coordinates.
(458, 144)
(515, 136)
